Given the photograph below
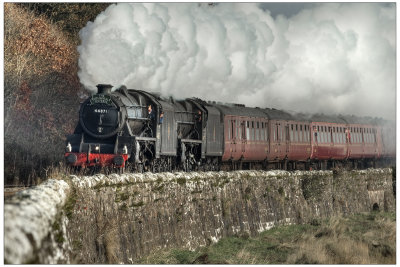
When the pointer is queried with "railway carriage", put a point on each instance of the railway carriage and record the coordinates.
(245, 134)
(328, 140)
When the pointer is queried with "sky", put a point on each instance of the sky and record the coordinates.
(332, 58)
(286, 9)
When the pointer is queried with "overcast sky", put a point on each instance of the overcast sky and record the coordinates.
(305, 57)
(286, 9)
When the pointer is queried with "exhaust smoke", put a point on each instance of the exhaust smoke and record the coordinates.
(330, 58)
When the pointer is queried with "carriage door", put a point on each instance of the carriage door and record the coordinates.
(278, 138)
(287, 139)
(348, 141)
(233, 139)
(242, 132)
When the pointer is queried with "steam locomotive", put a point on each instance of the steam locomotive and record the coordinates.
(141, 131)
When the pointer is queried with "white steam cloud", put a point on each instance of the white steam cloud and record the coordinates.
(333, 58)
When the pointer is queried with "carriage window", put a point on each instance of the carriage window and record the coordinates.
(291, 132)
(341, 140)
(229, 130)
(330, 135)
(341, 135)
(233, 129)
(277, 132)
(374, 136)
(370, 135)
(326, 135)
(248, 131)
(236, 131)
(320, 136)
(301, 133)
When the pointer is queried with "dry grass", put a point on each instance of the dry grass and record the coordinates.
(343, 242)
(368, 238)
(330, 251)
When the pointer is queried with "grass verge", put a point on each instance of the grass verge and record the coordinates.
(367, 238)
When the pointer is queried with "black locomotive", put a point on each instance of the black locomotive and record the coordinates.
(142, 131)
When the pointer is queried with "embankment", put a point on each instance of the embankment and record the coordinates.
(119, 218)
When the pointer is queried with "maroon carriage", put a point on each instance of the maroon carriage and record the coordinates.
(289, 138)
(363, 138)
(245, 135)
(328, 139)
(299, 137)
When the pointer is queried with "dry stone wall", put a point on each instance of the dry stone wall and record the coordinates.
(34, 230)
(120, 218)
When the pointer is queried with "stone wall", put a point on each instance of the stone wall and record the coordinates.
(120, 218)
(34, 228)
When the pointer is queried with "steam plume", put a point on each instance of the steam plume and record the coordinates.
(333, 58)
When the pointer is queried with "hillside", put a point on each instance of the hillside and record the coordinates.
(41, 87)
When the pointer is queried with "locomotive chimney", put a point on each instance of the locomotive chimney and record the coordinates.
(104, 88)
